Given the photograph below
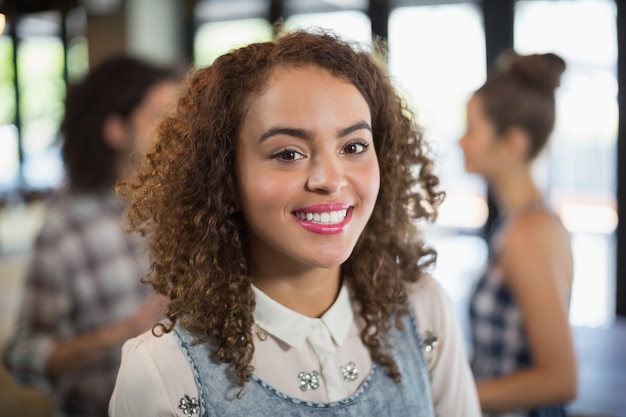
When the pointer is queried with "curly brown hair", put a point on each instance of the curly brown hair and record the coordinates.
(180, 199)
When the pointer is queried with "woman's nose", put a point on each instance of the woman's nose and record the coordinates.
(463, 142)
(326, 175)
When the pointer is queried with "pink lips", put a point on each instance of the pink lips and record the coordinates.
(324, 228)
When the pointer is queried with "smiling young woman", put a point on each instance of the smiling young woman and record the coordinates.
(279, 205)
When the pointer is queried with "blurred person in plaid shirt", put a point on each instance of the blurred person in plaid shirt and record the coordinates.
(83, 295)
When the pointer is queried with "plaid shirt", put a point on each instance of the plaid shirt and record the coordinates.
(499, 340)
(84, 273)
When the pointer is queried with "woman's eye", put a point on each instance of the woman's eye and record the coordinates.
(287, 155)
(355, 147)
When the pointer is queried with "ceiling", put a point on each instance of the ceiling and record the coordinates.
(34, 6)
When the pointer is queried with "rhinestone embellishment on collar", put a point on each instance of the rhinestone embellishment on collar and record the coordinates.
(349, 372)
(309, 380)
(189, 405)
(429, 341)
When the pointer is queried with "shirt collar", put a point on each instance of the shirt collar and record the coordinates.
(293, 328)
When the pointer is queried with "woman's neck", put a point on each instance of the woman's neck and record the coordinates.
(310, 292)
(515, 190)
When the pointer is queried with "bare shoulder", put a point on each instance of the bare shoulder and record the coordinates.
(536, 250)
(537, 231)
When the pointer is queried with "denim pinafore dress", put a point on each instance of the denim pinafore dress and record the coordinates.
(377, 396)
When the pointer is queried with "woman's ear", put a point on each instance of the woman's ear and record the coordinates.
(115, 133)
(517, 142)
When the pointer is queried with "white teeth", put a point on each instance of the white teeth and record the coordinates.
(330, 217)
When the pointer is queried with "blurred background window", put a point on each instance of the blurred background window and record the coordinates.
(36, 63)
(437, 57)
(578, 169)
(216, 38)
(350, 24)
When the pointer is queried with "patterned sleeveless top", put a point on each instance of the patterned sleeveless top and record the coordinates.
(377, 396)
(498, 339)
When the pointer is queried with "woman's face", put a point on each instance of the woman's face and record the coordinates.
(480, 144)
(146, 117)
(306, 170)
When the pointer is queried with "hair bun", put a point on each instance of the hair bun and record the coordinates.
(541, 70)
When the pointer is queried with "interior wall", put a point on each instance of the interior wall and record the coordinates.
(151, 29)
(106, 35)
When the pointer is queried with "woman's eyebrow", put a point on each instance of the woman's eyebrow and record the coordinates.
(353, 128)
(289, 131)
(308, 135)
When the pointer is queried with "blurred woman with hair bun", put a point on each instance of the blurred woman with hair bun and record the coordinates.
(523, 355)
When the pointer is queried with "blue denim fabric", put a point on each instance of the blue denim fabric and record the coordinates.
(377, 396)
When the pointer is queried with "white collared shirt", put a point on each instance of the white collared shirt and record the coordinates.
(303, 341)
(155, 374)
